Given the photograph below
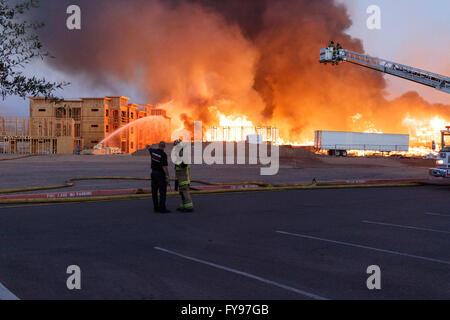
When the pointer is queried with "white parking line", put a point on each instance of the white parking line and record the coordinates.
(437, 214)
(245, 274)
(5, 294)
(404, 227)
(365, 247)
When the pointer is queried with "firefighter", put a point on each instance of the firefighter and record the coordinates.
(182, 183)
(160, 177)
(336, 51)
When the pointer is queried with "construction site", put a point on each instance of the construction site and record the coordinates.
(110, 124)
(72, 126)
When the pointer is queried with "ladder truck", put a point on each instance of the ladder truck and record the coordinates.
(443, 161)
(336, 54)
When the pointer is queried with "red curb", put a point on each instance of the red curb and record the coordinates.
(93, 193)
(370, 181)
(70, 194)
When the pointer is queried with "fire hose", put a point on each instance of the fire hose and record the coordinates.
(257, 187)
(18, 158)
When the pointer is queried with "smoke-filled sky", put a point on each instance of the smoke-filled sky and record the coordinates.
(413, 32)
(257, 58)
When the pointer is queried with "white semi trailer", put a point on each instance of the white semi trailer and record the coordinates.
(337, 143)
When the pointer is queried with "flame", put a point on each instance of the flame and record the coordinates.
(412, 152)
(231, 128)
(424, 132)
(260, 58)
(421, 132)
(232, 121)
(301, 143)
(239, 128)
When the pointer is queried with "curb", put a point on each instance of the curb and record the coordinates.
(374, 181)
(115, 192)
(205, 192)
(207, 188)
(18, 158)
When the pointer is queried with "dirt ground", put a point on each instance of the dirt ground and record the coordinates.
(296, 166)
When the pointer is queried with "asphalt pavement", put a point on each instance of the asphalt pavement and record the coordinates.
(306, 244)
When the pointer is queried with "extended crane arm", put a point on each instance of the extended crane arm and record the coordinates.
(336, 55)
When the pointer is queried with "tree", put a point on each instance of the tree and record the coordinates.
(19, 45)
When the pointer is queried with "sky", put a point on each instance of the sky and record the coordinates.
(413, 32)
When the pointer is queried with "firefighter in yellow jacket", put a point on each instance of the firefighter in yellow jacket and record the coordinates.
(183, 182)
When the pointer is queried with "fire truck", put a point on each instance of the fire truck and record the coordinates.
(336, 54)
(443, 160)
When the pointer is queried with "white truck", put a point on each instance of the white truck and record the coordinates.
(337, 143)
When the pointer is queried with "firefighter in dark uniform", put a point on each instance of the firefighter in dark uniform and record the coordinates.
(160, 177)
(183, 182)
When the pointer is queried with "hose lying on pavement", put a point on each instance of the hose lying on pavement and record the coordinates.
(18, 158)
(71, 182)
(202, 192)
(259, 186)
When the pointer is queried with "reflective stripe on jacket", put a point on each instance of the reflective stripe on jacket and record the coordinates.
(182, 174)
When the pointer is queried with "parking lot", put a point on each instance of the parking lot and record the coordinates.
(308, 244)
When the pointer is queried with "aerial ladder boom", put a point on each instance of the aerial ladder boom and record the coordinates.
(336, 54)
